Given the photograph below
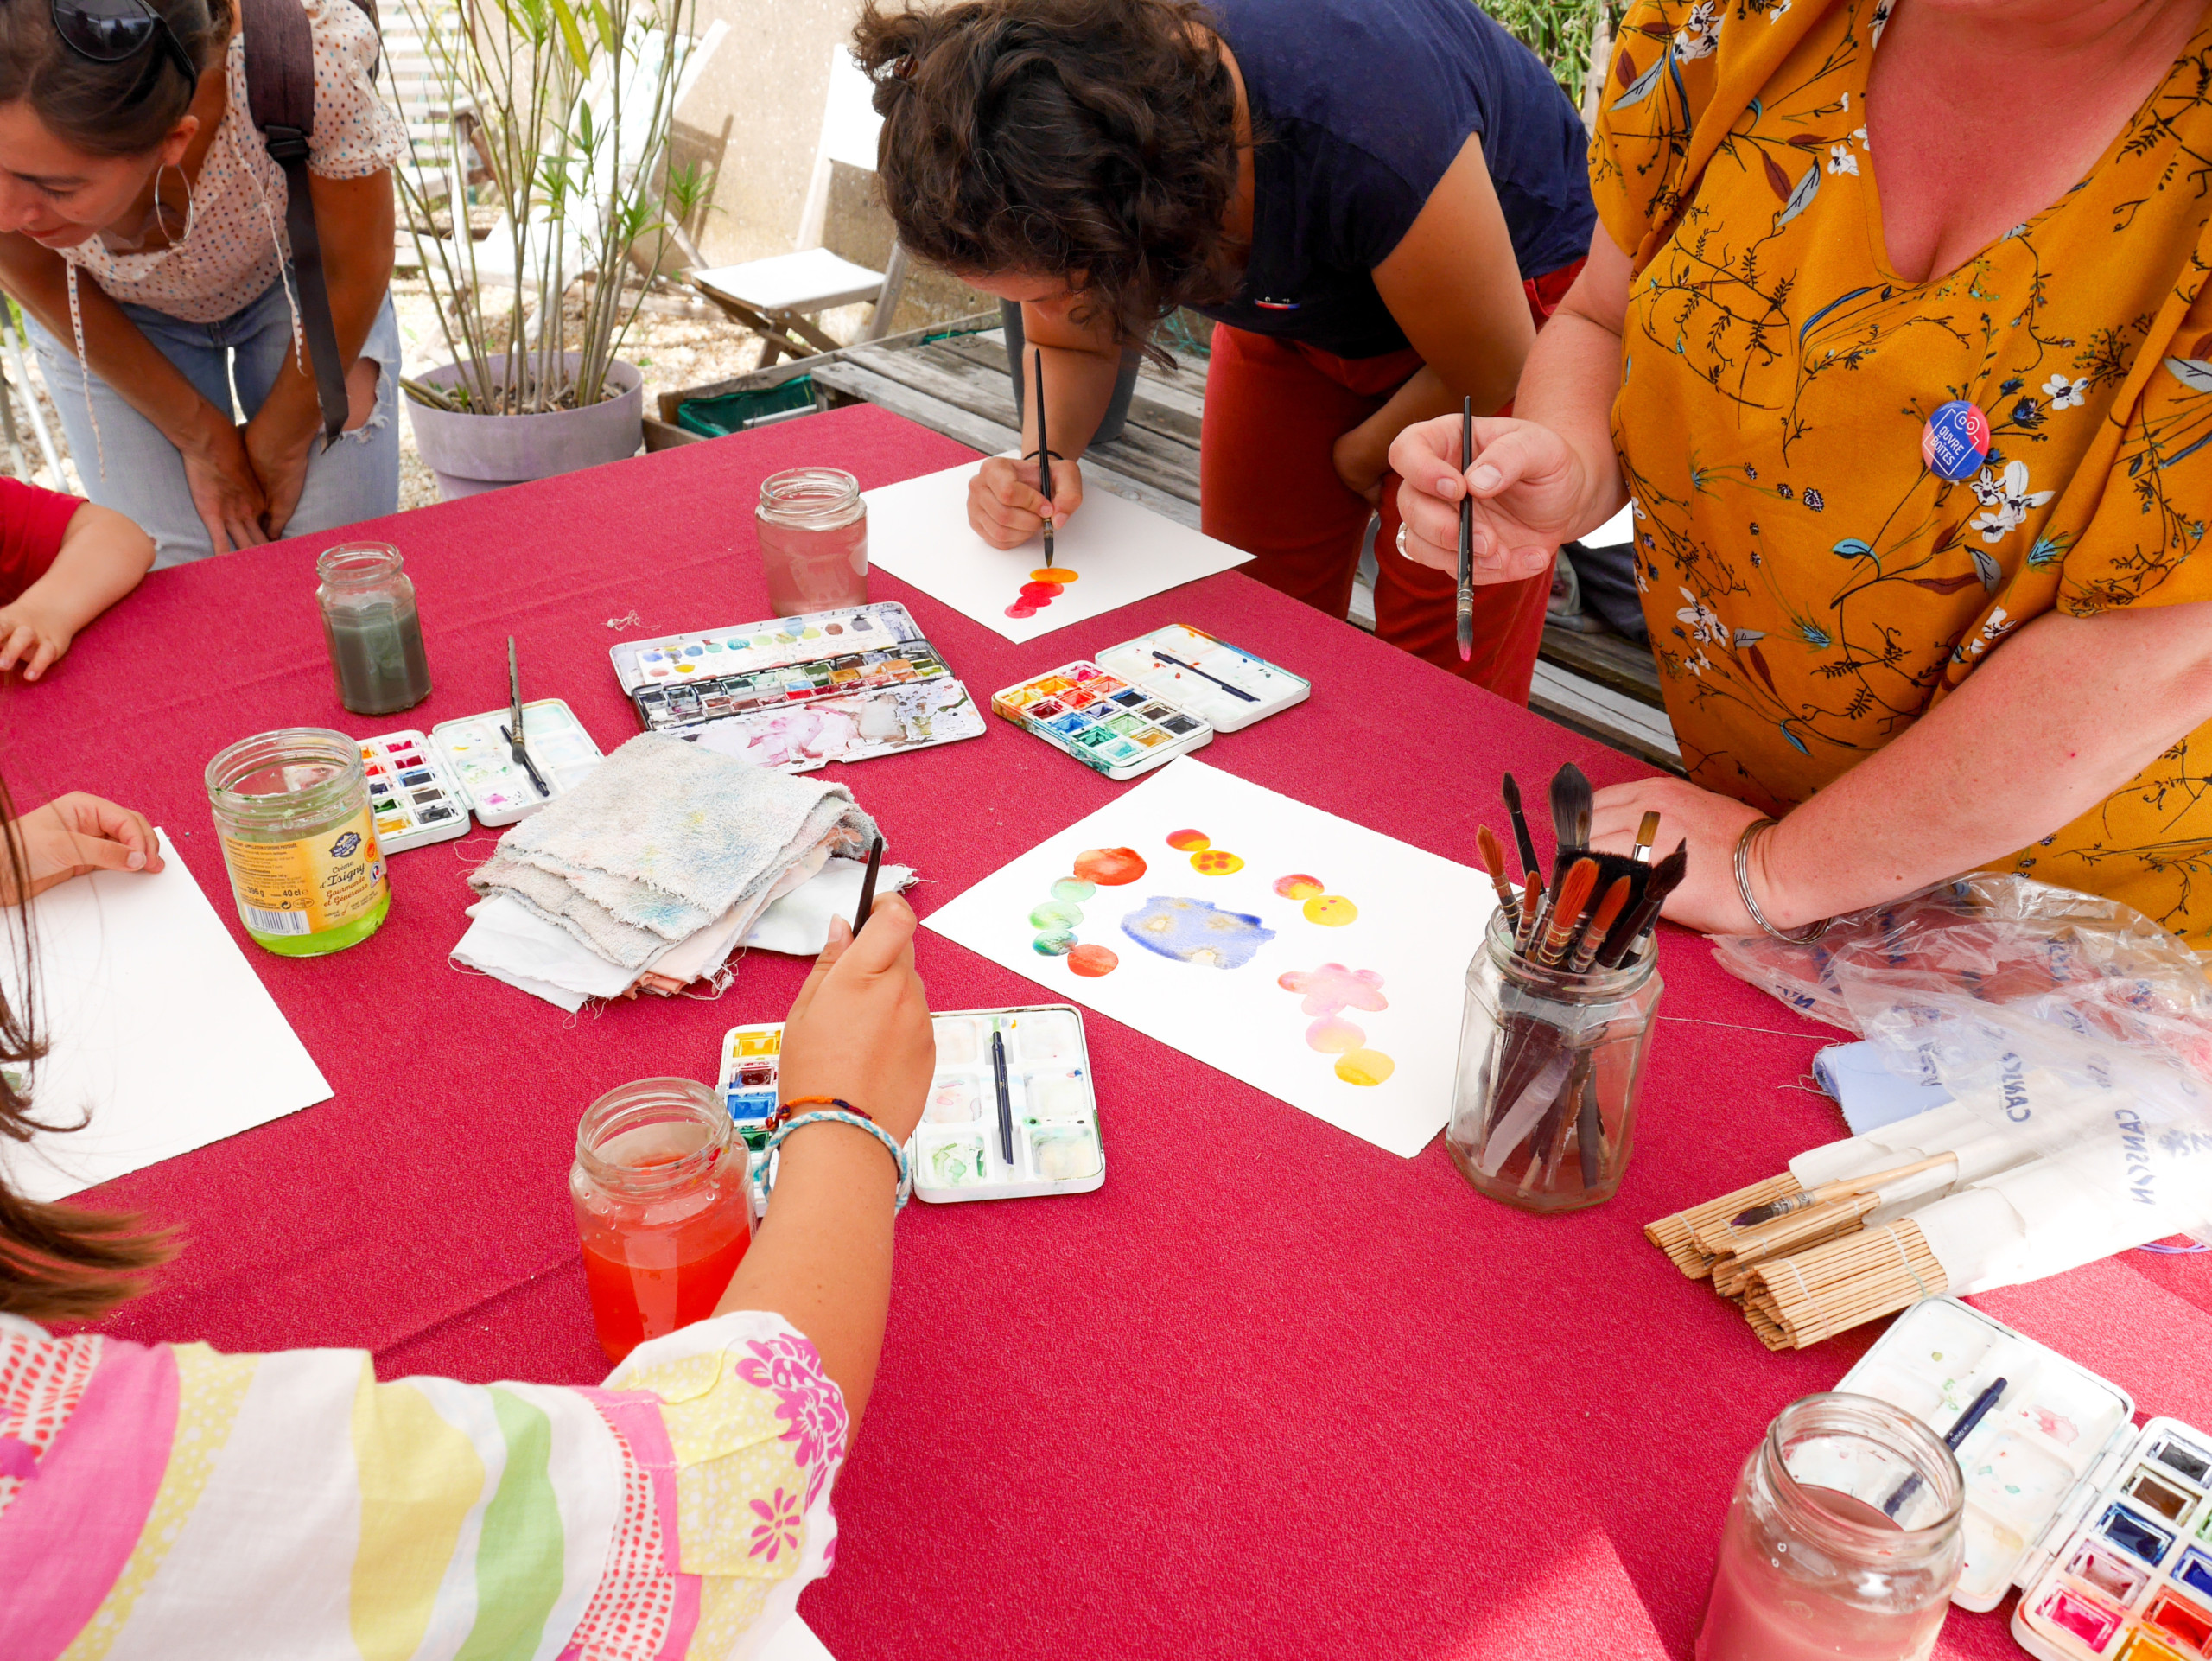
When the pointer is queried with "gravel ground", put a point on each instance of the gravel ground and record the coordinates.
(692, 349)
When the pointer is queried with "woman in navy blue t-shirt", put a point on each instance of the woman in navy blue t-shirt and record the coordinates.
(1378, 201)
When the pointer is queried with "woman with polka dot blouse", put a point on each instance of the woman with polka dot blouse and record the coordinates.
(141, 229)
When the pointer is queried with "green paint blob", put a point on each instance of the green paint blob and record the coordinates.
(1073, 890)
(1053, 914)
(1054, 943)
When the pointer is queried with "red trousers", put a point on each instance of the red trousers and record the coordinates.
(1268, 484)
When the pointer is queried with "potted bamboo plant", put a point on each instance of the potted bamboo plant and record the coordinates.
(564, 108)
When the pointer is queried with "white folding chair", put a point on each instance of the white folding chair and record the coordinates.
(777, 296)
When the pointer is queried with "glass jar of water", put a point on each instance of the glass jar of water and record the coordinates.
(813, 528)
(371, 626)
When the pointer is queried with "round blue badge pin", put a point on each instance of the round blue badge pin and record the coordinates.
(1955, 441)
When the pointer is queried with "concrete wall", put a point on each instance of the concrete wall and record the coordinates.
(751, 124)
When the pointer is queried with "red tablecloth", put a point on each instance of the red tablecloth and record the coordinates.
(1270, 1392)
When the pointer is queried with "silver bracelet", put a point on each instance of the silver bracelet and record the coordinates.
(1805, 936)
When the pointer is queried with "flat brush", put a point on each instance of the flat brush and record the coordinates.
(1571, 809)
(1666, 876)
(1568, 906)
(1646, 834)
(1522, 841)
(1601, 922)
(1842, 1187)
(1493, 853)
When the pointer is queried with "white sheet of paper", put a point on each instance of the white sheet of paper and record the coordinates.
(157, 1024)
(795, 1641)
(1419, 919)
(917, 531)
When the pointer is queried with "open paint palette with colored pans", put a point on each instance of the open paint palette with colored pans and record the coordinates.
(956, 1152)
(796, 693)
(1225, 685)
(411, 796)
(2065, 1497)
(1103, 720)
(498, 789)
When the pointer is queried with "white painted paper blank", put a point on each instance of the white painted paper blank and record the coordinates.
(157, 1024)
(1374, 936)
(917, 531)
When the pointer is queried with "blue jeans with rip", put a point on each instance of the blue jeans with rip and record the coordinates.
(142, 473)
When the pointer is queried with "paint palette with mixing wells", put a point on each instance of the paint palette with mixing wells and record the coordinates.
(797, 693)
(957, 1151)
(499, 789)
(1228, 686)
(1103, 720)
(2103, 1525)
(411, 796)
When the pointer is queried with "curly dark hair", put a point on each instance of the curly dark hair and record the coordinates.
(1090, 139)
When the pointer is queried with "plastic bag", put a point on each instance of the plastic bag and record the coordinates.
(2068, 1020)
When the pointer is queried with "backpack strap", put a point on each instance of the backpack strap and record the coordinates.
(280, 96)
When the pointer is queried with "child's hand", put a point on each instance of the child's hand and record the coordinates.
(32, 637)
(860, 1028)
(77, 833)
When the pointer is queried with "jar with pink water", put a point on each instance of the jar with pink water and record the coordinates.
(813, 528)
(1843, 1541)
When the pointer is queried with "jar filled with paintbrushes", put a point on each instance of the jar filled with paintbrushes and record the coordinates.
(1551, 1061)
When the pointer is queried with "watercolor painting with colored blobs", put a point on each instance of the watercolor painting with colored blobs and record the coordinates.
(1309, 957)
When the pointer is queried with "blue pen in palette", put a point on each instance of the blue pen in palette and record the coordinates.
(2107, 1528)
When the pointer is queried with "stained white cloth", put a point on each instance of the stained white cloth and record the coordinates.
(665, 839)
(799, 922)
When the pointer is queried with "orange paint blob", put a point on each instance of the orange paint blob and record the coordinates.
(1216, 862)
(1059, 574)
(1092, 961)
(1188, 842)
(1109, 867)
(1298, 887)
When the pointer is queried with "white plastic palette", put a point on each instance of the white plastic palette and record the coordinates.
(1199, 688)
(2046, 1472)
(956, 1152)
(413, 800)
(499, 791)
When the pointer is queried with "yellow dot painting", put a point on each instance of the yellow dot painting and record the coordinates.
(1216, 862)
(1365, 1068)
(1331, 910)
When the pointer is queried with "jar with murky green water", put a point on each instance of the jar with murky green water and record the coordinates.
(292, 810)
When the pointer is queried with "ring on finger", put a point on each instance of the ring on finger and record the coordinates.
(1402, 554)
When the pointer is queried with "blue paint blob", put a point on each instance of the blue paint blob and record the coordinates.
(1196, 932)
(2195, 1570)
(2124, 1529)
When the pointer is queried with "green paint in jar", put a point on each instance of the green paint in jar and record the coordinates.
(291, 808)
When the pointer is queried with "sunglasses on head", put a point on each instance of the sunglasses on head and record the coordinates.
(108, 31)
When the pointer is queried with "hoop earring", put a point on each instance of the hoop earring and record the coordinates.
(160, 218)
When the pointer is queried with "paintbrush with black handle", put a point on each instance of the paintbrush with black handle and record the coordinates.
(1571, 813)
(1666, 876)
(1522, 841)
(1466, 598)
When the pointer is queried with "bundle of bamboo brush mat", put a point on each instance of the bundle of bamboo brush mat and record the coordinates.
(1812, 1271)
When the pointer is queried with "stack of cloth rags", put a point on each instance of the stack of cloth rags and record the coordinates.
(665, 859)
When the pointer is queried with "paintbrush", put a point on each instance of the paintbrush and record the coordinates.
(1589, 1131)
(1571, 809)
(1044, 463)
(513, 731)
(1493, 853)
(868, 887)
(1568, 906)
(1523, 840)
(1646, 834)
(1601, 923)
(1977, 1410)
(1006, 1102)
(1838, 1189)
(1532, 897)
(1666, 877)
(1467, 619)
(1192, 669)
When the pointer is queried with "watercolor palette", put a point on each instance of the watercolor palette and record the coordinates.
(412, 797)
(1102, 720)
(1195, 681)
(799, 692)
(2064, 1496)
(499, 790)
(956, 1152)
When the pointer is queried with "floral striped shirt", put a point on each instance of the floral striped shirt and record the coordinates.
(170, 1501)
